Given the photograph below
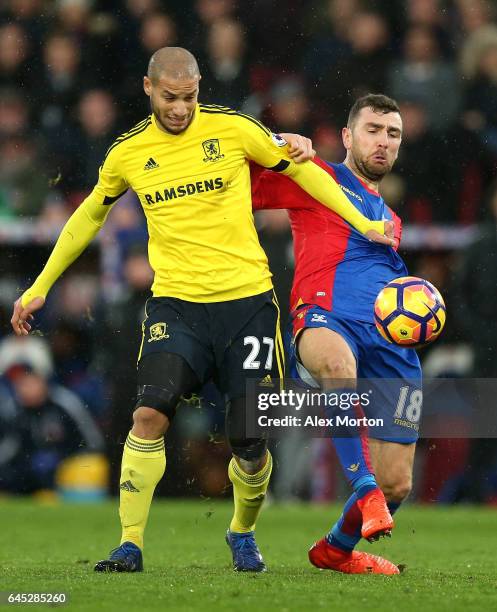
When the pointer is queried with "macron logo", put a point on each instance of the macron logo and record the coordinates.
(350, 192)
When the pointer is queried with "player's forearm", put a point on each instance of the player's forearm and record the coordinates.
(323, 188)
(75, 236)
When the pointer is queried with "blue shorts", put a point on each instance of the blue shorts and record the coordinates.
(393, 372)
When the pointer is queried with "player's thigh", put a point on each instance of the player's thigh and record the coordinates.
(392, 464)
(327, 356)
(392, 377)
(250, 346)
(178, 327)
(174, 359)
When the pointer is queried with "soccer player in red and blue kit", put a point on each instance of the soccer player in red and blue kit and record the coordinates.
(338, 274)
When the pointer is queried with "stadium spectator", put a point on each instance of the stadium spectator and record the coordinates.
(431, 14)
(14, 113)
(97, 123)
(279, 44)
(480, 103)
(420, 173)
(225, 76)
(423, 74)
(40, 423)
(73, 353)
(155, 30)
(30, 14)
(15, 70)
(474, 14)
(474, 296)
(59, 84)
(289, 107)
(23, 184)
(205, 14)
(329, 43)
(363, 71)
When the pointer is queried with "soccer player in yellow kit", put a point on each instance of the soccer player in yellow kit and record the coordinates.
(213, 314)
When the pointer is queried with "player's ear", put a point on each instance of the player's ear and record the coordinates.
(347, 137)
(147, 85)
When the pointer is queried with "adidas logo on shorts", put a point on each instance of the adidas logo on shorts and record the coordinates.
(267, 381)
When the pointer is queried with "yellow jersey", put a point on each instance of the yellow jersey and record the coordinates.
(194, 188)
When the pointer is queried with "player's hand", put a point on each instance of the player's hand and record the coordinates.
(299, 147)
(23, 314)
(387, 237)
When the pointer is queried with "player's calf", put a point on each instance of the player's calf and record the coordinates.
(249, 471)
(396, 491)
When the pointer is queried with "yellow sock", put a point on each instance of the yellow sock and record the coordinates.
(143, 465)
(249, 491)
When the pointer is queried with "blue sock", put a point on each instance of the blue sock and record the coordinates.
(346, 532)
(354, 460)
(351, 446)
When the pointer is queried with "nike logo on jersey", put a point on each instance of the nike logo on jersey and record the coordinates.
(353, 468)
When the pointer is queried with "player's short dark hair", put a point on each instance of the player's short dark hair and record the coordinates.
(378, 102)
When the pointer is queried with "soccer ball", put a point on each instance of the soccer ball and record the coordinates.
(409, 311)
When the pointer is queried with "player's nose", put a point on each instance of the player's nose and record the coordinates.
(179, 110)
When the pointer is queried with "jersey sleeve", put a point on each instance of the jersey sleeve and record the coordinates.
(274, 190)
(111, 184)
(81, 227)
(270, 151)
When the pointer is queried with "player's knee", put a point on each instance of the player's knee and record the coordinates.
(333, 367)
(396, 489)
(149, 423)
(161, 399)
(250, 450)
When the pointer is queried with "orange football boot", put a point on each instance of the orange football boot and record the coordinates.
(376, 518)
(324, 556)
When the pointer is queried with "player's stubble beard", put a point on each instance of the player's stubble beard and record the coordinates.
(164, 127)
(365, 169)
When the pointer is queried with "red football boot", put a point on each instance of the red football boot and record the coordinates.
(324, 556)
(376, 518)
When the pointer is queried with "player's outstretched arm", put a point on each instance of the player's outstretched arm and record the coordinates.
(75, 236)
(323, 188)
(267, 150)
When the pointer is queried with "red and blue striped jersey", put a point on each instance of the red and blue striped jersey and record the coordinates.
(336, 267)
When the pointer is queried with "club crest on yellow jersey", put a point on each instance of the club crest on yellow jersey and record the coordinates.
(212, 150)
(158, 331)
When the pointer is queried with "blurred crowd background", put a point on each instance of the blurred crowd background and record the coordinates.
(71, 81)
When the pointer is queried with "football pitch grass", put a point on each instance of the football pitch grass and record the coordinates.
(450, 554)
